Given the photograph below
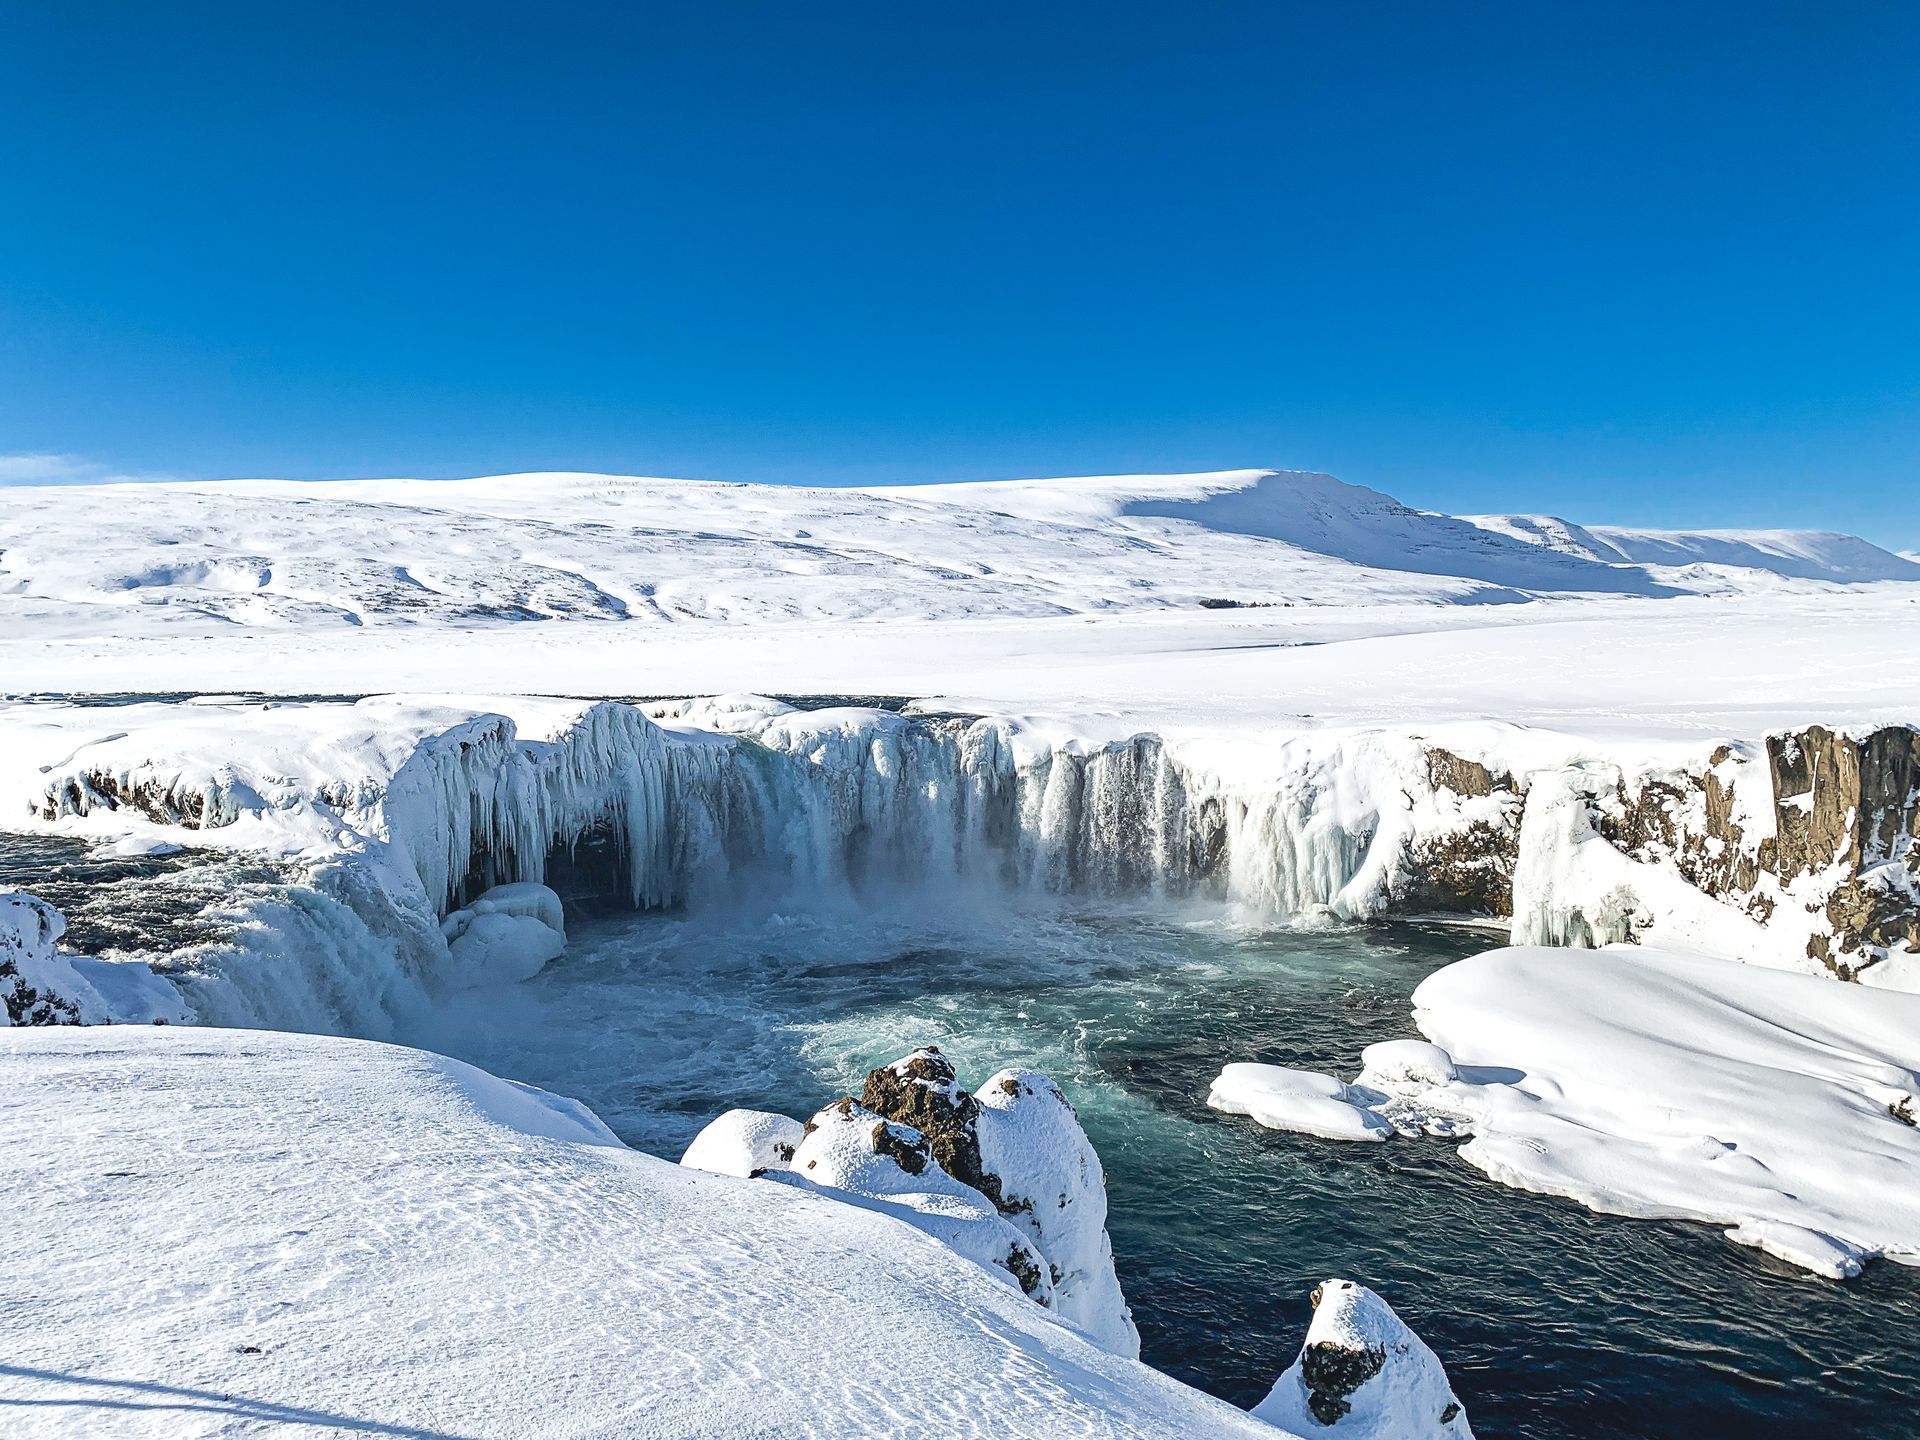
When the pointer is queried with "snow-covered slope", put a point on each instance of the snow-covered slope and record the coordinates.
(258, 557)
(215, 1232)
(1798, 554)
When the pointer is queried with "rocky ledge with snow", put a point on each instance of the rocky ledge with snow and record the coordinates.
(1003, 1175)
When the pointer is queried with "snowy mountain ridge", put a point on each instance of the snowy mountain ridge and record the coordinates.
(1798, 554)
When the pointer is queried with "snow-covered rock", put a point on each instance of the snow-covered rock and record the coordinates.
(745, 1143)
(508, 933)
(38, 987)
(1005, 1176)
(42, 985)
(357, 1234)
(1364, 1375)
(1051, 1185)
(882, 1165)
(1646, 1083)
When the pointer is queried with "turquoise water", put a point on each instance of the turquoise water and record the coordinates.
(1552, 1321)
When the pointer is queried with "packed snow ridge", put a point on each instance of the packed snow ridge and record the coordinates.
(1646, 1083)
(531, 1275)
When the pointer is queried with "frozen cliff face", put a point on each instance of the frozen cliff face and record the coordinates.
(1801, 853)
(1004, 1175)
(1798, 853)
(1363, 1375)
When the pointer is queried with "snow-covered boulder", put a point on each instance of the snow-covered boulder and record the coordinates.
(1364, 1375)
(746, 1143)
(41, 985)
(1303, 1100)
(37, 985)
(881, 1165)
(507, 934)
(1051, 1184)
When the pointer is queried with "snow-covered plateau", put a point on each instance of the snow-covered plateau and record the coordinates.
(1289, 699)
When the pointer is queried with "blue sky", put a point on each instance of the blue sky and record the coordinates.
(1642, 263)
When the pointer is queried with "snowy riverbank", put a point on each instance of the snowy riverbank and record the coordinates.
(1650, 1084)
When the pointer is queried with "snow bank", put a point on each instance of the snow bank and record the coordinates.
(1363, 1374)
(529, 1275)
(1666, 1086)
(1302, 1100)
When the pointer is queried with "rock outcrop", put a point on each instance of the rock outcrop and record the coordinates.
(1003, 1175)
(29, 930)
(1364, 1375)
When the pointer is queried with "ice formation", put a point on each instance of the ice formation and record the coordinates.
(1004, 1176)
(1644, 1083)
(1363, 1375)
(1798, 852)
(508, 933)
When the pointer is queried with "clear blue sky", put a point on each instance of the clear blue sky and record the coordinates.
(1652, 263)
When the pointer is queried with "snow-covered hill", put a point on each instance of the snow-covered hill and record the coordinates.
(1797, 554)
(268, 555)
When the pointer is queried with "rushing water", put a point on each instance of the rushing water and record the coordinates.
(1552, 1321)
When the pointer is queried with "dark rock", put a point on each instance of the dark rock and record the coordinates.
(924, 1091)
(1332, 1373)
